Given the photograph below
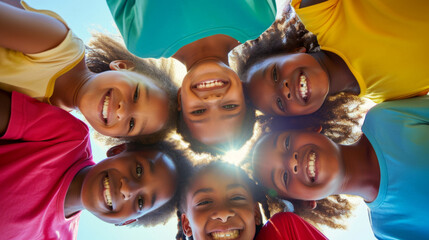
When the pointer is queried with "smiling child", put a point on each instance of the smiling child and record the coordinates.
(387, 167)
(214, 115)
(368, 49)
(120, 97)
(48, 175)
(221, 202)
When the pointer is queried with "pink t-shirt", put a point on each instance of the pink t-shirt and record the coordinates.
(42, 150)
(288, 226)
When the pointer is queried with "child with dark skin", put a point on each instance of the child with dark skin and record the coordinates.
(220, 202)
(134, 181)
(387, 166)
(361, 54)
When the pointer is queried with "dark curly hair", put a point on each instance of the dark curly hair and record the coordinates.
(103, 49)
(246, 133)
(257, 192)
(184, 169)
(286, 35)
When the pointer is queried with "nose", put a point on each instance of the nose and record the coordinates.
(212, 97)
(285, 90)
(222, 214)
(121, 111)
(128, 189)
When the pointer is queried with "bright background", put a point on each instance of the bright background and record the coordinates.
(85, 16)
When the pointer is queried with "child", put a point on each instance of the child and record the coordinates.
(221, 202)
(47, 175)
(200, 34)
(43, 59)
(369, 49)
(387, 167)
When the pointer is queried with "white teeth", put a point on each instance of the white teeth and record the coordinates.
(106, 192)
(225, 235)
(210, 84)
(311, 165)
(303, 89)
(106, 106)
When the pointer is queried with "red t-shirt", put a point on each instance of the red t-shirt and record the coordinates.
(288, 226)
(43, 148)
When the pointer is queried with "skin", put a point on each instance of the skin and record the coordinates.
(274, 85)
(4, 111)
(81, 89)
(214, 115)
(140, 182)
(281, 163)
(217, 201)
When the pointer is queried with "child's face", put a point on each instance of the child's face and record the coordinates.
(129, 185)
(123, 103)
(298, 164)
(288, 85)
(219, 204)
(212, 102)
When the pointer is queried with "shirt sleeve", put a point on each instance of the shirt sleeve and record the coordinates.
(289, 226)
(31, 120)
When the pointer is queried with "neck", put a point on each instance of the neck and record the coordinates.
(341, 78)
(68, 86)
(362, 171)
(213, 47)
(73, 202)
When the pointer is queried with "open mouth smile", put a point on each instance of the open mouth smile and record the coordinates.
(304, 89)
(311, 166)
(107, 193)
(106, 107)
(225, 235)
(210, 85)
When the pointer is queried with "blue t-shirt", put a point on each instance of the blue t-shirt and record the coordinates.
(399, 133)
(158, 28)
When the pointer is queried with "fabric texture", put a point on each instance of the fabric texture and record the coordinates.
(154, 29)
(17, 70)
(288, 226)
(399, 134)
(42, 150)
(383, 42)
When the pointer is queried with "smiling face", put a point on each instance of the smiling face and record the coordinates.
(288, 85)
(299, 164)
(123, 103)
(219, 206)
(129, 185)
(212, 102)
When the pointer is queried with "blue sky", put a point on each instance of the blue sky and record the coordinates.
(84, 16)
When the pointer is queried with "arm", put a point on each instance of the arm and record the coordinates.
(28, 32)
(4, 111)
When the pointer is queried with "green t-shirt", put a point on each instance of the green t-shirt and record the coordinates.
(157, 28)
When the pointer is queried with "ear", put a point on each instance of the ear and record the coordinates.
(121, 65)
(311, 204)
(186, 227)
(258, 215)
(301, 50)
(179, 99)
(116, 150)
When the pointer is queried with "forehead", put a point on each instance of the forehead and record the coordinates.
(218, 180)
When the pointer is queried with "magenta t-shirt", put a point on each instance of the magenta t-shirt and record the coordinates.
(43, 148)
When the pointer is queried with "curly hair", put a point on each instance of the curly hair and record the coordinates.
(257, 192)
(104, 49)
(286, 35)
(183, 168)
(246, 132)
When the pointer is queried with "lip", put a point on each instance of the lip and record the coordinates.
(225, 228)
(101, 105)
(297, 90)
(101, 192)
(197, 86)
(316, 166)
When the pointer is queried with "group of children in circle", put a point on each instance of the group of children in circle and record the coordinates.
(373, 49)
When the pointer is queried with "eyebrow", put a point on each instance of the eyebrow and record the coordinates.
(229, 116)
(202, 190)
(151, 167)
(275, 140)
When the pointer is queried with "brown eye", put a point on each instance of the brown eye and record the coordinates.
(198, 111)
(274, 74)
(280, 104)
(140, 202)
(287, 142)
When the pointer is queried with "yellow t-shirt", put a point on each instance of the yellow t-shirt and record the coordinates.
(385, 43)
(35, 74)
